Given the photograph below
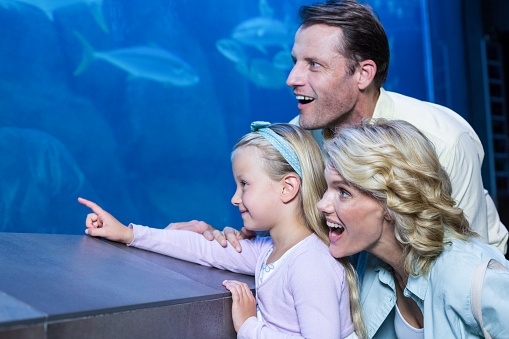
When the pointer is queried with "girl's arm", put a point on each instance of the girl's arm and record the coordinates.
(183, 245)
(193, 247)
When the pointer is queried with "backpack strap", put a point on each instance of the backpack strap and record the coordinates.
(476, 290)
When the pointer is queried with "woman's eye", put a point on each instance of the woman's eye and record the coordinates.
(343, 193)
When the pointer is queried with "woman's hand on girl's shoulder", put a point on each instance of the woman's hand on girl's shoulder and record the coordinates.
(233, 236)
(228, 235)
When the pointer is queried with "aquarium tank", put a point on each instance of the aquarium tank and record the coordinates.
(136, 105)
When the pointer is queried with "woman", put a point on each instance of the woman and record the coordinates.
(388, 202)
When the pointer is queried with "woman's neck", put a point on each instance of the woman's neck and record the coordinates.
(390, 251)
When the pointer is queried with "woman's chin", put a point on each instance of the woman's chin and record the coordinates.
(336, 252)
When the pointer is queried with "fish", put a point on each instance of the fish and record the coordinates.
(283, 60)
(262, 73)
(152, 63)
(48, 7)
(261, 32)
(265, 9)
(232, 50)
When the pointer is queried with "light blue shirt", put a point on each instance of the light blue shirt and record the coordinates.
(443, 294)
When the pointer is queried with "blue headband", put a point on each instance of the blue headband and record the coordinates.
(261, 127)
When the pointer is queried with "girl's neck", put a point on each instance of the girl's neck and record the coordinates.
(285, 237)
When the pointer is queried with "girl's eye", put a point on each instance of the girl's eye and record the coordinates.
(243, 183)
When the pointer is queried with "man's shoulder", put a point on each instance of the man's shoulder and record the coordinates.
(427, 113)
(295, 121)
(439, 123)
(406, 106)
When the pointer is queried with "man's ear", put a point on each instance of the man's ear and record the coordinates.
(367, 72)
(290, 187)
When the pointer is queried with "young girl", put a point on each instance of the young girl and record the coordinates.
(300, 289)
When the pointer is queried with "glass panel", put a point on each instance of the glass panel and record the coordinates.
(448, 50)
(136, 105)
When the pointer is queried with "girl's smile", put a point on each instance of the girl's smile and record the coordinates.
(256, 194)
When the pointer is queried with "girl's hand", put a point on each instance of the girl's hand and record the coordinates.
(244, 303)
(102, 224)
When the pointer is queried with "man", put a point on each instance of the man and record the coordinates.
(341, 59)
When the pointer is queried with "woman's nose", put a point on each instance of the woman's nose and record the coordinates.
(324, 205)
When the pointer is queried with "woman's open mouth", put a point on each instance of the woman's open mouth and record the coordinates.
(335, 229)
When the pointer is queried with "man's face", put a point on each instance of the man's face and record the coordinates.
(327, 93)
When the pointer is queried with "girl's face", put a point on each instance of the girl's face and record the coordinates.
(355, 219)
(257, 195)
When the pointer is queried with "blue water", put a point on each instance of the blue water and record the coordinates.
(137, 104)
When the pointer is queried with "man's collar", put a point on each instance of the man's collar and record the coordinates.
(384, 106)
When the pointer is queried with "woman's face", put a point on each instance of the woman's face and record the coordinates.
(356, 220)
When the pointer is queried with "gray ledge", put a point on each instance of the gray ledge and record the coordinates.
(60, 286)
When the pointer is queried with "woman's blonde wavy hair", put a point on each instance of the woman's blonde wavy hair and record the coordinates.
(396, 164)
(313, 186)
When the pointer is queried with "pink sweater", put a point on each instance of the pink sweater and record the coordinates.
(306, 296)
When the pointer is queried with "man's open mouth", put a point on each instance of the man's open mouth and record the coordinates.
(303, 99)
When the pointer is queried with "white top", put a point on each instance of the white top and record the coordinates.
(404, 330)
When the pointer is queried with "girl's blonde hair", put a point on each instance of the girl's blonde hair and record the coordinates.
(397, 165)
(312, 188)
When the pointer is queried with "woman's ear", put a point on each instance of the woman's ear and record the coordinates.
(290, 187)
(367, 72)
(388, 216)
